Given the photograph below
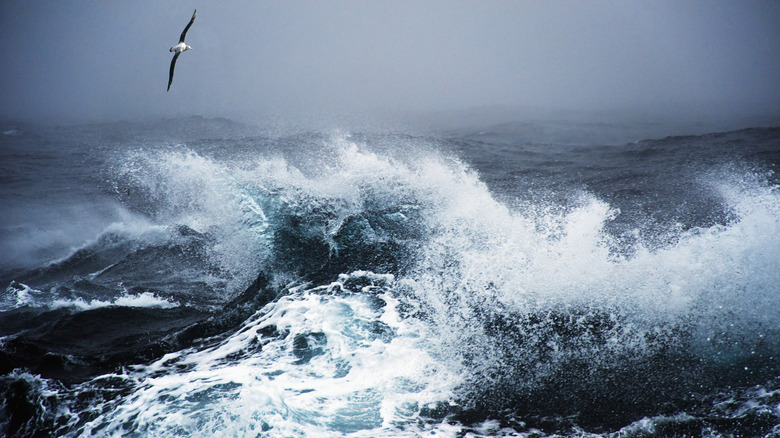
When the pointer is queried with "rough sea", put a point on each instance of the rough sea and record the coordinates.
(199, 277)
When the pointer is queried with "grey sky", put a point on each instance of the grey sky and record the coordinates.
(109, 60)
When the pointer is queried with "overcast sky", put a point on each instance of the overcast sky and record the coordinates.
(109, 60)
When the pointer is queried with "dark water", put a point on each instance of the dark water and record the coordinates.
(198, 277)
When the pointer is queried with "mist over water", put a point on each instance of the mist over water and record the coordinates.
(84, 62)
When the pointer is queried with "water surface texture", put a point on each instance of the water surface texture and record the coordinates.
(198, 277)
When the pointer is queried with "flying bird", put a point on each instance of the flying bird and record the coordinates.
(178, 48)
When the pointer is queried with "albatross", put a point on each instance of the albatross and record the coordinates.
(178, 48)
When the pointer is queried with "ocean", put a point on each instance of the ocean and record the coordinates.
(203, 277)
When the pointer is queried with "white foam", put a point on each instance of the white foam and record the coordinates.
(361, 381)
(21, 295)
(145, 299)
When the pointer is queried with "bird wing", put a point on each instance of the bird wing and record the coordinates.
(184, 33)
(170, 73)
